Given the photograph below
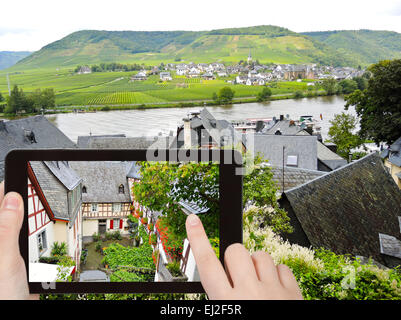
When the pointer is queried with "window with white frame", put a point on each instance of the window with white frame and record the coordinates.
(116, 224)
(116, 207)
(94, 207)
(42, 242)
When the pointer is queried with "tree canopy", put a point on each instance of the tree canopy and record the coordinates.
(379, 105)
(342, 133)
(19, 101)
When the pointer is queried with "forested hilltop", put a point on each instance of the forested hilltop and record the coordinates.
(362, 46)
(268, 44)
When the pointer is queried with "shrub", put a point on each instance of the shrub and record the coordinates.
(174, 268)
(298, 94)
(95, 237)
(59, 249)
(322, 274)
(109, 235)
(116, 235)
(98, 246)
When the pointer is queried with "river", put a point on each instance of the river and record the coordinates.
(148, 122)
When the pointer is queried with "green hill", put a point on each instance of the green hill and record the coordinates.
(267, 44)
(362, 46)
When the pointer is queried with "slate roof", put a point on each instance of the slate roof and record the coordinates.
(102, 180)
(329, 158)
(133, 170)
(346, 209)
(270, 147)
(221, 132)
(325, 155)
(285, 128)
(56, 180)
(83, 141)
(293, 177)
(116, 142)
(13, 135)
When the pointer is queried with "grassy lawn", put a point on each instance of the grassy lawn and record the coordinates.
(94, 258)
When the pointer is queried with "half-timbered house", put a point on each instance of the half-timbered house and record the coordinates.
(54, 201)
(106, 196)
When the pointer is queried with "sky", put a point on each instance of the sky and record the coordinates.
(27, 25)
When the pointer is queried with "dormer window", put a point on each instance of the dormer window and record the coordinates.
(121, 189)
(84, 189)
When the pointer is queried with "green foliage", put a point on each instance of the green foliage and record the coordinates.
(194, 183)
(378, 106)
(363, 47)
(118, 255)
(59, 249)
(330, 86)
(116, 235)
(341, 132)
(264, 94)
(19, 101)
(108, 235)
(225, 95)
(95, 237)
(298, 94)
(99, 245)
(174, 268)
(347, 86)
(260, 190)
(347, 279)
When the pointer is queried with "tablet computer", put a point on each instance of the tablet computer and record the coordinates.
(113, 221)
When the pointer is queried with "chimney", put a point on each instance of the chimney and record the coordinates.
(187, 133)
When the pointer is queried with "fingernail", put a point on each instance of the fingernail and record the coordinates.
(193, 220)
(11, 202)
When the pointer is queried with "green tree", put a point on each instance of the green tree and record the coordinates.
(379, 105)
(1, 97)
(330, 86)
(342, 133)
(260, 190)
(347, 86)
(226, 95)
(264, 94)
(164, 185)
(361, 82)
(47, 99)
(18, 101)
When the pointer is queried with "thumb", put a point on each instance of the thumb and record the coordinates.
(11, 215)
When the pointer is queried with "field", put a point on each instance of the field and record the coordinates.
(115, 88)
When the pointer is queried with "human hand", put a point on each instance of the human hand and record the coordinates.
(246, 277)
(13, 280)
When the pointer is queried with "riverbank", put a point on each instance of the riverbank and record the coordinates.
(175, 104)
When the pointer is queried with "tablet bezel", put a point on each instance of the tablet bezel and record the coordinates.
(230, 187)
